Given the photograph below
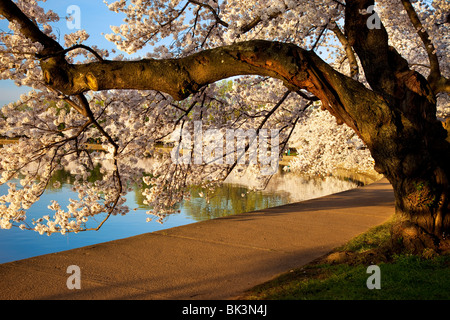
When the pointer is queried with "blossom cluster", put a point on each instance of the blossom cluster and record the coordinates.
(324, 147)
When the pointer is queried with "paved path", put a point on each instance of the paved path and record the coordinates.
(214, 259)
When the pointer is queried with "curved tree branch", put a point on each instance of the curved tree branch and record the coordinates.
(348, 100)
(28, 28)
(77, 46)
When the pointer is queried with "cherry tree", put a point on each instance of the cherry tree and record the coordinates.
(380, 69)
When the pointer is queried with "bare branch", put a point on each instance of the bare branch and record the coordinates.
(279, 103)
(435, 73)
(77, 46)
(211, 9)
(437, 82)
(348, 51)
(322, 31)
(245, 28)
(305, 96)
(252, 24)
(93, 120)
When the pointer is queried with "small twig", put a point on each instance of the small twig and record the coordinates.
(77, 46)
(211, 9)
(304, 96)
(92, 118)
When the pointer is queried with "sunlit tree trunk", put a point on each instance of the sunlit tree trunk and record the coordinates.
(410, 146)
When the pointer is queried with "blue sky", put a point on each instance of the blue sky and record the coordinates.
(95, 19)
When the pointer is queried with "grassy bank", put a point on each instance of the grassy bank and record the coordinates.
(343, 274)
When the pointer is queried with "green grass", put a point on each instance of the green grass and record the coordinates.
(403, 277)
(376, 237)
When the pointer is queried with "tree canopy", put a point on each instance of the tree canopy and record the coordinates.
(375, 67)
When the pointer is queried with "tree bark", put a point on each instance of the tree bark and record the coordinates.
(411, 148)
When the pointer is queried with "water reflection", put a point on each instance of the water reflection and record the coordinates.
(232, 198)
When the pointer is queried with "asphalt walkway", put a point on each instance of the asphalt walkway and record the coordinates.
(215, 259)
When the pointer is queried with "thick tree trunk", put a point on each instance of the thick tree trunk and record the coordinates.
(420, 182)
(409, 144)
(416, 160)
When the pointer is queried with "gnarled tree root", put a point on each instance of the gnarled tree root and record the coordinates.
(408, 237)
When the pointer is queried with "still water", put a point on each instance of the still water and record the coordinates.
(284, 188)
